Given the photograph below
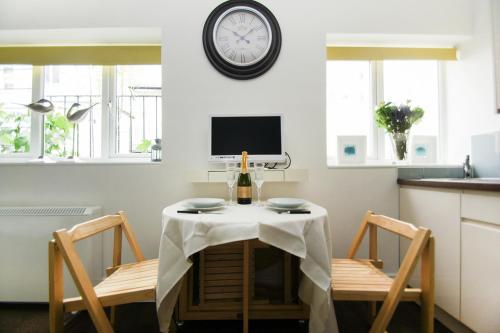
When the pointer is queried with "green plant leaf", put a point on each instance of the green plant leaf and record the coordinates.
(144, 146)
(5, 139)
(62, 123)
(396, 119)
(21, 144)
(58, 130)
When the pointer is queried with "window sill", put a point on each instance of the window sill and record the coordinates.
(387, 164)
(59, 162)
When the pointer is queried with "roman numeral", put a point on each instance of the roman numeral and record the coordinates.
(232, 20)
(232, 56)
(261, 38)
(259, 27)
(223, 39)
(242, 58)
(242, 18)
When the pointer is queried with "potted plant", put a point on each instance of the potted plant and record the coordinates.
(397, 121)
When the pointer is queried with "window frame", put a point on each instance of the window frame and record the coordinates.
(110, 81)
(35, 120)
(379, 135)
(108, 120)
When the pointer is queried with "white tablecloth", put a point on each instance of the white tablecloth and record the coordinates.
(304, 235)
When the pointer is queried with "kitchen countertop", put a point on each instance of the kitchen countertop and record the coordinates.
(478, 184)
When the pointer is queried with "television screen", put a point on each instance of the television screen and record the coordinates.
(260, 136)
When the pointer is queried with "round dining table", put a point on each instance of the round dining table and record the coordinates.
(306, 236)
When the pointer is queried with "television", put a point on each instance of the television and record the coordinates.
(260, 135)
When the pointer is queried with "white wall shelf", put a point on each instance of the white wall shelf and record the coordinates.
(270, 175)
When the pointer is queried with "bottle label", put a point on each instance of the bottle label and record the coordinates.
(244, 192)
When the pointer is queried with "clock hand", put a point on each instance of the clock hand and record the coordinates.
(243, 37)
(234, 32)
(240, 37)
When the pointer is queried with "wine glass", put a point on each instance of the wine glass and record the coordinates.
(230, 180)
(258, 179)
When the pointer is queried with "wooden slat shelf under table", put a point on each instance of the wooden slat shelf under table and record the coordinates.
(221, 286)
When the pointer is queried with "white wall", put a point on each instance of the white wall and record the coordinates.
(295, 86)
(496, 37)
(470, 94)
(412, 17)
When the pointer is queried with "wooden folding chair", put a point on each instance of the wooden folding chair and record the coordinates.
(362, 280)
(125, 283)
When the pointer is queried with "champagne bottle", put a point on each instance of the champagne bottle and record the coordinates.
(244, 182)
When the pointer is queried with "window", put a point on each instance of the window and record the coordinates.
(15, 119)
(65, 86)
(355, 88)
(349, 102)
(138, 108)
(123, 122)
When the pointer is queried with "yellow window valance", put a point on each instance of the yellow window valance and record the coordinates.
(389, 53)
(81, 55)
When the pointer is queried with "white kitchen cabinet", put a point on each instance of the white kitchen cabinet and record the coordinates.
(480, 287)
(480, 304)
(481, 206)
(438, 210)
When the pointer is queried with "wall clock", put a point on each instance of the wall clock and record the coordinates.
(242, 39)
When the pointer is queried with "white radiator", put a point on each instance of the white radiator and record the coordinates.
(24, 236)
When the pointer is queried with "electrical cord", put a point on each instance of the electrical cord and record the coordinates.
(268, 165)
(288, 163)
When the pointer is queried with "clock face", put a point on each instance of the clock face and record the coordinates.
(242, 36)
(242, 39)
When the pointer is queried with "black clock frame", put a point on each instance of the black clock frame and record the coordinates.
(231, 70)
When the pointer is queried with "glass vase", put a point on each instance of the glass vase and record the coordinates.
(400, 145)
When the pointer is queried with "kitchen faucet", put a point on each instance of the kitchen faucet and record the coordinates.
(467, 168)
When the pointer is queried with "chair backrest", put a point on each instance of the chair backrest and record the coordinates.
(371, 222)
(422, 245)
(90, 228)
(63, 245)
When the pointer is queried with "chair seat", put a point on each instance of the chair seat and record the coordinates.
(129, 283)
(360, 280)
